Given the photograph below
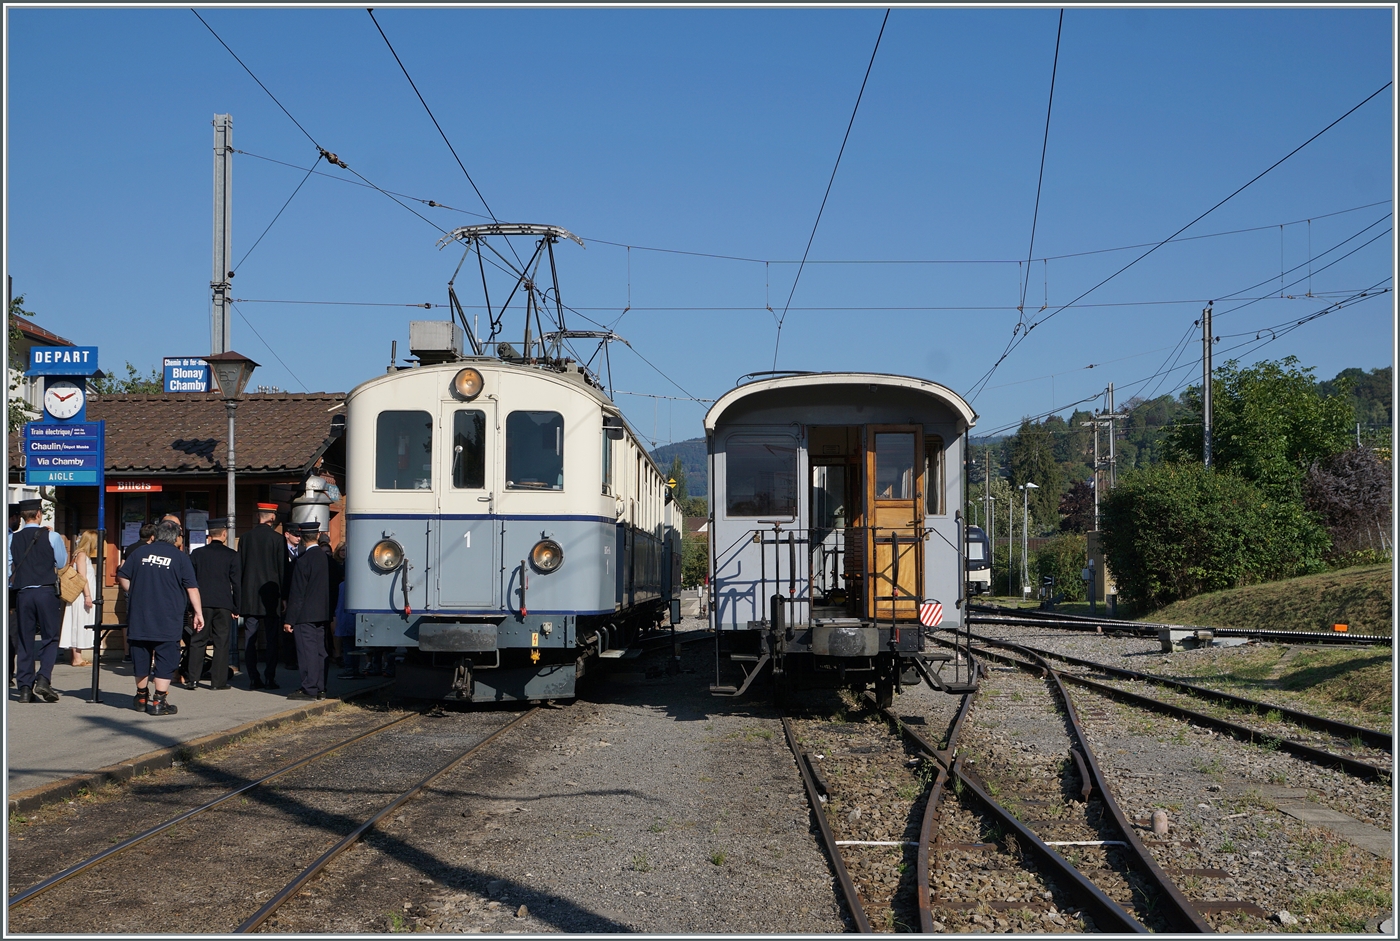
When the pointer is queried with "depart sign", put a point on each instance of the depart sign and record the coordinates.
(62, 361)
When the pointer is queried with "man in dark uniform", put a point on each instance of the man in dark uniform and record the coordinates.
(262, 562)
(36, 555)
(294, 548)
(217, 571)
(159, 584)
(308, 612)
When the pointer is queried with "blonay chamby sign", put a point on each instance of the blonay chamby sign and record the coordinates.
(186, 374)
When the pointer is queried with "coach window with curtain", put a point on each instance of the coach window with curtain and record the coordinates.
(933, 475)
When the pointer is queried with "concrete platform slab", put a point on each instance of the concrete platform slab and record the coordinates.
(47, 743)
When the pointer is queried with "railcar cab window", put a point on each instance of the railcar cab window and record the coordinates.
(894, 465)
(403, 453)
(933, 475)
(469, 449)
(535, 451)
(761, 475)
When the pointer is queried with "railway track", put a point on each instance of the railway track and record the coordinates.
(979, 833)
(102, 867)
(1251, 722)
(990, 614)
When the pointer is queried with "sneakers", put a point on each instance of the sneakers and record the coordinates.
(159, 707)
(141, 699)
(42, 689)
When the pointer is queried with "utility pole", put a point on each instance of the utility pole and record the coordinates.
(1206, 343)
(220, 284)
(1112, 455)
(1100, 419)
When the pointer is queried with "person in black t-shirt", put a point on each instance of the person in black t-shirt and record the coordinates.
(159, 582)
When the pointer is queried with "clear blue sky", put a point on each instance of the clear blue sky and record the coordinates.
(715, 131)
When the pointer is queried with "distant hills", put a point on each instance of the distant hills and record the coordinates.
(693, 459)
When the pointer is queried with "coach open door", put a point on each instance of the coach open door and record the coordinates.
(894, 474)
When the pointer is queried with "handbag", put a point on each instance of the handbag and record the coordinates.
(71, 585)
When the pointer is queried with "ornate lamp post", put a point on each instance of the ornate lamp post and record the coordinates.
(231, 372)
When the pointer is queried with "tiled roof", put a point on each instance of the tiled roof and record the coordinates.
(32, 331)
(165, 434)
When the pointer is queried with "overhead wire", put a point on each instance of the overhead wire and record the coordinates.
(779, 338)
(1044, 147)
(276, 217)
(269, 347)
(1017, 340)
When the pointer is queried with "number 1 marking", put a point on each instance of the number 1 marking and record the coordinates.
(468, 538)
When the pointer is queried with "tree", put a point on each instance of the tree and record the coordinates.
(1351, 493)
(133, 384)
(679, 492)
(1175, 530)
(1077, 508)
(1271, 423)
(1031, 458)
(17, 410)
(1063, 559)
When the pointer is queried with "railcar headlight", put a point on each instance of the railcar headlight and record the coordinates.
(386, 556)
(467, 384)
(547, 556)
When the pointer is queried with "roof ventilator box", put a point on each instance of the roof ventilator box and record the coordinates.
(435, 341)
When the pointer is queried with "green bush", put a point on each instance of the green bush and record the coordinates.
(1173, 531)
(694, 565)
(1063, 559)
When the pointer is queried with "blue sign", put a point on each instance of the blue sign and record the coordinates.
(62, 361)
(64, 455)
(186, 374)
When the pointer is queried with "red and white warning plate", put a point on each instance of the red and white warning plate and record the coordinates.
(930, 614)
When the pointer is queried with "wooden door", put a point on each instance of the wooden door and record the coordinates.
(894, 470)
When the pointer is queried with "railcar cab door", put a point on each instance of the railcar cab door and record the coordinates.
(894, 520)
(468, 570)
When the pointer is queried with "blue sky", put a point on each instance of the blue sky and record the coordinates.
(715, 131)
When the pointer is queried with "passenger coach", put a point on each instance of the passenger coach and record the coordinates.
(504, 524)
(837, 537)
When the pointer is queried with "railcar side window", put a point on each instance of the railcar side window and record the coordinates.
(608, 486)
(469, 449)
(761, 475)
(933, 475)
(535, 451)
(403, 453)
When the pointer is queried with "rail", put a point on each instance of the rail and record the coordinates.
(991, 614)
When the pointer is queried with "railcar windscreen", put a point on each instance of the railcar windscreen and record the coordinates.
(535, 451)
(403, 454)
(761, 475)
(469, 449)
(976, 551)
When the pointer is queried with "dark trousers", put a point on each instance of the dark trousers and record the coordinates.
(158, 658)
(311, 656)
(38, 611)
(218, 623)
(270, 629)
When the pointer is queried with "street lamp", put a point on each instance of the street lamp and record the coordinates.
(231, 372)
(1025, 489)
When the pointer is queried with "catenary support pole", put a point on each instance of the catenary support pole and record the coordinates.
(232, 537)
(1206, 413)
(219, 284)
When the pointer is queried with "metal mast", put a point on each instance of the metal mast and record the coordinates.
(219, 338)
(1205, 387)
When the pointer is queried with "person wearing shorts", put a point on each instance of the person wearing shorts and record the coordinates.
(159, 582)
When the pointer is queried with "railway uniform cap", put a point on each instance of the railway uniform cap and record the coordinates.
(308, 528)
(14, 509)
(220, 523)
(30, 506)
(267, 507)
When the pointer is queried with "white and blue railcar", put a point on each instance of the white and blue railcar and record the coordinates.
(836, 533)
(504, 525)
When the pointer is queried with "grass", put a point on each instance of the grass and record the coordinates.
(641, 864)
(1360, 597)
(717, 857)
(1354, 682)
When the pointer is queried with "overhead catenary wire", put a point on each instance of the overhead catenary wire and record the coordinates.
(276, 217)
(1018, 340)
(269, 347)
(777, 341)
(1044, 147)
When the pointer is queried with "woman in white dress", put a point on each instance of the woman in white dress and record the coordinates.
(81, 615)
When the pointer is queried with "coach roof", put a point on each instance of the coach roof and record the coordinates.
(933, 390)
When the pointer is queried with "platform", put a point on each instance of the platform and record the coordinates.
(61, 747)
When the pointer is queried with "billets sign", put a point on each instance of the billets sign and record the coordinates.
(62, 361)
(186, 374)
(63, 455)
